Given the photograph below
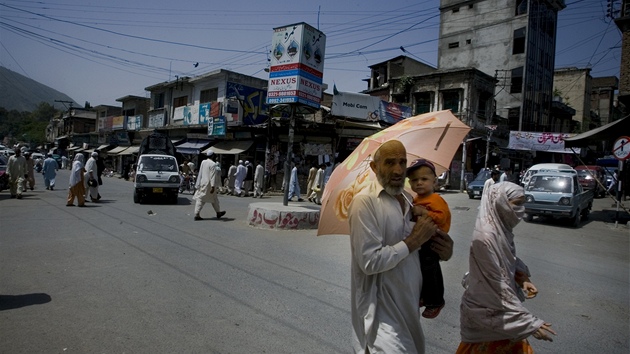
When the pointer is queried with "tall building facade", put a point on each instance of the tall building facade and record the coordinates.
(622, 19)
(512, 40)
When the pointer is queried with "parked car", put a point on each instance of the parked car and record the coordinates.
(475, 187)
(591, 177)
(557, 195)
(157, 170)
(545, 167)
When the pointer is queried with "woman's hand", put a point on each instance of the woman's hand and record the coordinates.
(544, 332)
(529, 289)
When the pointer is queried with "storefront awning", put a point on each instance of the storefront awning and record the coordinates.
(130, 150)
(608, 132)
(102, 147)
(117, 150)
(74, 148)
(192, 147)
(232, 147)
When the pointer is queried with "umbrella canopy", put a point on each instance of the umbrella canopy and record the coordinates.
(434, 136)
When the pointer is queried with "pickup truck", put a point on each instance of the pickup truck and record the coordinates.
(557, 195)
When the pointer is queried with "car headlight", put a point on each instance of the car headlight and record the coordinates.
(565, 201)
(529, 198)
(173, 179)
(141, 178)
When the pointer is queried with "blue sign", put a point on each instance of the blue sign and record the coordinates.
(253, 100)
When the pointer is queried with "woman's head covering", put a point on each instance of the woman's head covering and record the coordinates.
(496, 210)
(77, 169)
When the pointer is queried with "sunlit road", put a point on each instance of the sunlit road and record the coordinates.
(119, 277)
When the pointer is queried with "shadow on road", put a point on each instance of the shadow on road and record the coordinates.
(8, 302)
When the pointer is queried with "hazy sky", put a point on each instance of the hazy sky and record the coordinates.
(99, 51)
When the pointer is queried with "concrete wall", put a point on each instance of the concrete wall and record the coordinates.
(575, 86)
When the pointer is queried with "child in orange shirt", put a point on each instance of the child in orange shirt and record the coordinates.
(422, 179)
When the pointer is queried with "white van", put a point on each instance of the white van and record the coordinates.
(546, 167)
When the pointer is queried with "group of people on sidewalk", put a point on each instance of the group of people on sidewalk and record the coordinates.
(21, 172)
(85, 179)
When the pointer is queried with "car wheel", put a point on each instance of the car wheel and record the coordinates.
(529, 217)
(471, 196)
(136, 197)
(577, 218)
(585, 213)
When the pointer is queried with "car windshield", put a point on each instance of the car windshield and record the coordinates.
(552, 184)
(156, 163)
(586, 173)
(483, 176)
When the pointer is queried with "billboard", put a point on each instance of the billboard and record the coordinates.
(253, 101)
(536, 141)
(297, 65)
(356, 105)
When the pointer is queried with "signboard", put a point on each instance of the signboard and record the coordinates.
(134, 123)
(297, 65)
(621, 148)
(253, 102)
(356, 105)
(216, 126)
(156, 119)
(191, 115)
(118, 122)
(205, 110)
(393, 112)
(179, 113)
(536, 141)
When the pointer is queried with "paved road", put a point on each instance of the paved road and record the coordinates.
(115, 278)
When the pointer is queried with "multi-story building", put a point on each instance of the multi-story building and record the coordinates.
(513, 40)
(603, 103)
(622, 19)
(573, 86)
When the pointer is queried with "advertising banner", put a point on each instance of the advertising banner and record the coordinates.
(216, 126)
(356, 105)
(134, 122)
(536, 141)
(393, 112)
(253, 101)
(297, 65)
(156, 119)
(118, 122)
(191, 115)
(205, 110)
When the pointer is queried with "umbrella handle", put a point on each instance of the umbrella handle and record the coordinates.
(407, 200)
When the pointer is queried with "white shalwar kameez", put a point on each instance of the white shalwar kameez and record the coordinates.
(209, 176)
(386, 278)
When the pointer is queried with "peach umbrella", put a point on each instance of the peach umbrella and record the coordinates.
(434, 136)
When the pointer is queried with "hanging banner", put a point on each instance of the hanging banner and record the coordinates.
(393, 112)
(537, 141)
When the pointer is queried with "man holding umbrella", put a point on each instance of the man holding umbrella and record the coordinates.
(385, 268)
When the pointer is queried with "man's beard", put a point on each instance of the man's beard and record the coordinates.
(391, 190)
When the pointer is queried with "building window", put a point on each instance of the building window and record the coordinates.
(450, 100)
(521, 7)
(158, 100)
(453, 45)
(484, 106)
(518, 47)
(210, 95)
(468, 41)
(180, 101)
(129, 112)
(470, 6)
(456, 10)
(423, 102)
(516, 81)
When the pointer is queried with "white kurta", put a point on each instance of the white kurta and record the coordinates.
(386, 278)
(209, 176)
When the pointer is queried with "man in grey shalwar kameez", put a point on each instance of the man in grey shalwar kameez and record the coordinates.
(386, 276)
(49, 170)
